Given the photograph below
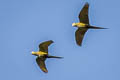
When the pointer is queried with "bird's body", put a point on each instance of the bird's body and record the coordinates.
(39, 53)
(42, 55)
(83, 25)
(80, 25)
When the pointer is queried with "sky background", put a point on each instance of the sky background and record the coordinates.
(26, 23)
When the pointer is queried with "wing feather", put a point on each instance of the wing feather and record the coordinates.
(44, 46)
(83, 16)
(79, 34)
(41, 64)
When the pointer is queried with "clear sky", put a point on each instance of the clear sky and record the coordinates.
(26, 23)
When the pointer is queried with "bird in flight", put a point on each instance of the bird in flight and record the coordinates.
(83, 25)
(42, 55)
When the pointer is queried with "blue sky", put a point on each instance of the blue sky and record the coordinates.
(26, 23)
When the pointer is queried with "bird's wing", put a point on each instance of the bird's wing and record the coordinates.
(83, 16)
(41, 63)
(79, 34)
(44, 46)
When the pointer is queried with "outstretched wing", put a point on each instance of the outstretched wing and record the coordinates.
(79, 34)
(41, 64)
(83, 16)
(44, 46)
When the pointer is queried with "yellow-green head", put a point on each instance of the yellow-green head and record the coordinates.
(39, 53)
(79, 24)
(34, 53)
(74, 24)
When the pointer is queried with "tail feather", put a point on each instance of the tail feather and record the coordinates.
(94, 27)
(54, 57)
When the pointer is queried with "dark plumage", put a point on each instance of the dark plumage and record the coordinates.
(83, 25)
(42, 55)
(83, 16)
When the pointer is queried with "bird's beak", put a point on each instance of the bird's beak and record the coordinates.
(32, 53)
(73, 24)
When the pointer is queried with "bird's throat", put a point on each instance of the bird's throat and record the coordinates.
(39, 53)
(81, 25)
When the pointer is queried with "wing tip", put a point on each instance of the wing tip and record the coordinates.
(45, 71)
(51, 41)
(79, 45)
(87, 3)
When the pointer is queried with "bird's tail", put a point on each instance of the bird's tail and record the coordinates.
(94, 27)
(54, 57)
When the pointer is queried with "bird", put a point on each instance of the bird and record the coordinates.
(42, 55)
(83, 24)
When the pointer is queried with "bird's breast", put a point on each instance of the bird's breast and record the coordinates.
(81, 25)
(42, 53)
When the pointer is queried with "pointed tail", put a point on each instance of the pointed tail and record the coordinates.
(54, 57)
(94, 27)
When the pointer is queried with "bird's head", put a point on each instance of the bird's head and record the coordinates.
(74, 24)
(34, 53)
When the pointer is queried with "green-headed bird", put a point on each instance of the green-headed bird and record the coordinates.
(42, 54)
(83, 25)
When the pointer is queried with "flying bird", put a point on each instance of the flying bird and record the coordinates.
(83, 25)
(42, 55)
